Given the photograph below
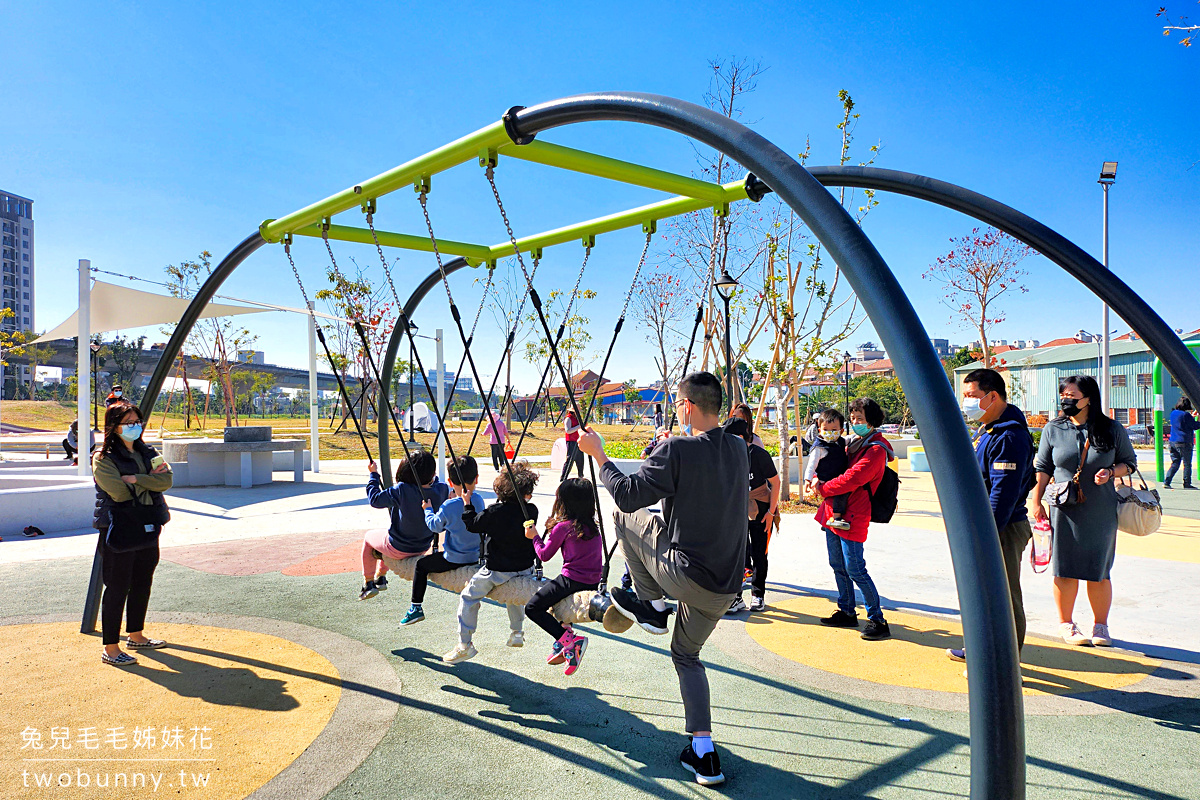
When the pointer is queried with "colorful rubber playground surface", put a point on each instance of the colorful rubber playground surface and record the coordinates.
(278, 682)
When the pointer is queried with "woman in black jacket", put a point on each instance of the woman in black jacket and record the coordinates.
(125, 471)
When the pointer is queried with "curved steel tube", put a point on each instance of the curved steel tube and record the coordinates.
(389, 359)
(1083, 267)
(228, 264)
(997, 730)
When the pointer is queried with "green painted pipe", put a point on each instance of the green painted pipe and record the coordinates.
(1157, 384)
(615, 222)
(406, 241)
(443, 158)
(555, 155)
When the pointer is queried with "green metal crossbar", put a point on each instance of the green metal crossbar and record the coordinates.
(486, 144)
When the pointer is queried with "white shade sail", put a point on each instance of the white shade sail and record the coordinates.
(119, 308)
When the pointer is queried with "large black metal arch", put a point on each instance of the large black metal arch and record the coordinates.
(997, 732)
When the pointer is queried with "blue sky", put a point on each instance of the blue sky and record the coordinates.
(145, 133)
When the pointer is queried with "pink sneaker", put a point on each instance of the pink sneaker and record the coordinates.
(574, 654)
(558, 649)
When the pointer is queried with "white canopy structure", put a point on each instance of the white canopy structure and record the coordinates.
(116, 308)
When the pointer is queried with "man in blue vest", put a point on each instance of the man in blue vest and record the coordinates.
(1005, 454)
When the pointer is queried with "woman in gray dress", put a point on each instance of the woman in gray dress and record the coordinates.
(1084, 535)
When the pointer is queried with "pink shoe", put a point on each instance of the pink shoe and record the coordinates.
(558, 649)
(574, 654)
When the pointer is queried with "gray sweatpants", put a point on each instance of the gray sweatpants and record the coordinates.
(655, 572)
(472, 595)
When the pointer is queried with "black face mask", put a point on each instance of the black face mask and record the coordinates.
(1069, 405)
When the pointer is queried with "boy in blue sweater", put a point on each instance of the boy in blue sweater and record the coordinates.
(460, 548)
(408, 535)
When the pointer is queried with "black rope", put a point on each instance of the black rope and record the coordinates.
(687, 359)
(471, 361)
(287, 249)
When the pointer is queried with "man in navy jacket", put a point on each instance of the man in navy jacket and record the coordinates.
(1005, 454)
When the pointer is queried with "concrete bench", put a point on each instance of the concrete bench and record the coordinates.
(245, 458)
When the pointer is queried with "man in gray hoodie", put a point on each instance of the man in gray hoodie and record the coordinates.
(695, 552)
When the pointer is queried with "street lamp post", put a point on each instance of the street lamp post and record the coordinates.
(1108, 176)
(725, 286)
(412, 418)
(846, 379)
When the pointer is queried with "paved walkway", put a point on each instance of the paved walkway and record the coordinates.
(308, 692)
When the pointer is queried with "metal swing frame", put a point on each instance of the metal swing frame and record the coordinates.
(996, 712)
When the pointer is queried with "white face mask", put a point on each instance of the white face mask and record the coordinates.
(831, 436)
(972, 410)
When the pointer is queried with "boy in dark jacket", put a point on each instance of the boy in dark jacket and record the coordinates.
(508, 554)
(1004, 451)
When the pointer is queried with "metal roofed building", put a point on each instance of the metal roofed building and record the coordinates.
(1033, 376)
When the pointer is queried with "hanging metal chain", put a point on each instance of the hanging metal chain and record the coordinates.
(575, 290)
(287, 249)
(636, 273)
(386, 270)
(490, 172)
(337, 273)
(436, 253)
(482, 300)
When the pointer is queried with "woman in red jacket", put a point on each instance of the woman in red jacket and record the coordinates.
(868, 454)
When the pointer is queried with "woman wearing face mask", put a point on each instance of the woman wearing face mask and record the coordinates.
(1084, 534)
(868, 454)
(125, 470)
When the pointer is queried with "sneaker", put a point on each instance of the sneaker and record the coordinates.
(574, 654)
(1101, 636)
(1189, 486)
(748, 576)
(956, 655)
(149, 644)
(368, 591)
(556, 656)
(651, 619)
(381, 583)
(736, 607)
(461, 652)
(837, 524)
(706, 768)
(758, 604)
(840, 619)
(516, 639)
(1166, 486)
(414, 615)
(875, 631)
(1071, 634)
(119, 660)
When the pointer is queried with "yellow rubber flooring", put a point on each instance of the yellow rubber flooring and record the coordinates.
(915, 656)
(215, 715)
(1177, 540)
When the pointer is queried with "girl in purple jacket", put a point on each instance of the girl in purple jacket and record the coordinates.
(571, 529)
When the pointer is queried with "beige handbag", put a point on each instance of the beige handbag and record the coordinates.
(1139, 510)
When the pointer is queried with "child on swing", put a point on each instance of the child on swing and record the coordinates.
(572, 530)
(507, 554)
(408, 535)
(460, 547)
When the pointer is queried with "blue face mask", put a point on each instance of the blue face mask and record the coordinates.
(131, 433)
(860, 429)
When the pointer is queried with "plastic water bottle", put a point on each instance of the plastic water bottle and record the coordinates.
(1041, 544)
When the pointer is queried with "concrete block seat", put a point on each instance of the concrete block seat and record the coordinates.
(244, 458)
(582, 607)
(45, 498)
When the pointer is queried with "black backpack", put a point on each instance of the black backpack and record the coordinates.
(885, 499)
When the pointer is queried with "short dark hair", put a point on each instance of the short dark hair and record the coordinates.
(1184, 404)
(832, 415)
(464, 470)
(704, 390)
(988, 380)
(736, 426)
(418, 469)
(521, 483)
(870, 410)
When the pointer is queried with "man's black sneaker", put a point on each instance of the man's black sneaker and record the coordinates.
(381, 583)
(876, 631)
(840, 619)
(641, 612)
(706, 768)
